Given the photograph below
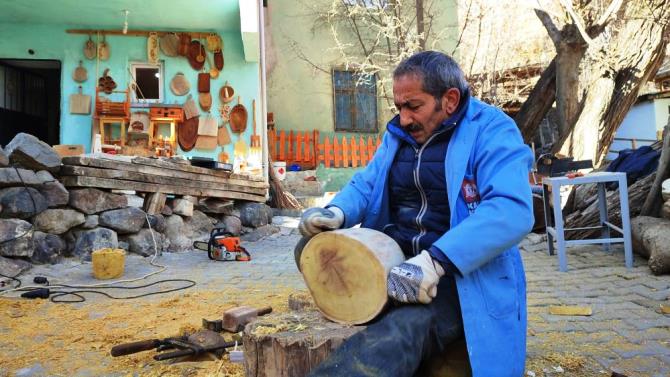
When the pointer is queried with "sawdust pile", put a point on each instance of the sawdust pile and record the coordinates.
(65, 338)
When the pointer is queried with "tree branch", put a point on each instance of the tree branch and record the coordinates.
(577, 20)
(465, 26)
(611, 10)
(548, 23)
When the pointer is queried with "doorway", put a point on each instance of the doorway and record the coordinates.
(30, 99)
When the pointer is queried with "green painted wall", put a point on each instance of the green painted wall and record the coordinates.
(301, 96)
(52, 42)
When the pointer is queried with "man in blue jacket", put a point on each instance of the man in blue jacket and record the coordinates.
(450, 184)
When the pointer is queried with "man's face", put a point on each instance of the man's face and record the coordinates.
(420, 113)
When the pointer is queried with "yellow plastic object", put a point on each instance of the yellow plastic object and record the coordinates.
(108, 263)
(570, 310)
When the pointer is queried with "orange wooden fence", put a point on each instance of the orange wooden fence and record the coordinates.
(308, 150)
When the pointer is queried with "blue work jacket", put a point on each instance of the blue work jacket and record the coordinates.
(486, 170)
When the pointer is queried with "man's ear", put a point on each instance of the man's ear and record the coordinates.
(450, 100)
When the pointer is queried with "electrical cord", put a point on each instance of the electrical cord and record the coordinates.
(79, 289)
(77, 293)
(14, 279)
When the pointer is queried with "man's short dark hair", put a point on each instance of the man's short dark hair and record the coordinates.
(437, 71)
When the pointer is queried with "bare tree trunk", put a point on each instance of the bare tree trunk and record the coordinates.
(420, 25)
(600, 68)
(538, 104)
(570, 52)
(654, 201)
(613, 85)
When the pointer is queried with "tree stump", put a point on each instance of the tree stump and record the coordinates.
(291, 344)
(295, 343)
(346, 270)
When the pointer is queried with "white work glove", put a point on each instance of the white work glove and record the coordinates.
(415, 280)
(316, 220)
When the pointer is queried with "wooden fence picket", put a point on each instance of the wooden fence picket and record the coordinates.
(306, 149)
(282, 143)
(371, 149)
(337, 153)
(354, 150)
(345, 152)
(362, 152)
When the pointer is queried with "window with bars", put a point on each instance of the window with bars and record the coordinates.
(355, 102)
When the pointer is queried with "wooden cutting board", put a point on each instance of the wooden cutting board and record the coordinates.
(223, 136)
(80, 103)
(187, 133)
(206, 142)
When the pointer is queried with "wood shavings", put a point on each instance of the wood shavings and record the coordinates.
(72, 338)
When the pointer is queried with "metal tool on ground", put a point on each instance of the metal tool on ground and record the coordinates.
(223, 246)
(214, 325)
(198, 343)
(235, 319)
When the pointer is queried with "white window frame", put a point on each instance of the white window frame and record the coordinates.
(161, 82)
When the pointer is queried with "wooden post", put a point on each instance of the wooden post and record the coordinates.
(154, 203)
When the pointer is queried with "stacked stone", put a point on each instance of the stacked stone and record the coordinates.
(42, 222)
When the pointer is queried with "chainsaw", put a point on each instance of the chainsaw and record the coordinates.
(223, 246)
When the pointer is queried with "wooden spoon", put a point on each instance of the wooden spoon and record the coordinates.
(213, 72)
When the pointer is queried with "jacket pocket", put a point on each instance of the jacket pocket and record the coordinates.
(497, 280)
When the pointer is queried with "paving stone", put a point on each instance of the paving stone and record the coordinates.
(645, 324)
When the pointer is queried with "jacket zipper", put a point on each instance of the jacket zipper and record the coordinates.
(424, 200)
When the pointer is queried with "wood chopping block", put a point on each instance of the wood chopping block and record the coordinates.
(345, 271)
(293, 344)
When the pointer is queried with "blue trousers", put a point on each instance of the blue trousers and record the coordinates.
(399, 341)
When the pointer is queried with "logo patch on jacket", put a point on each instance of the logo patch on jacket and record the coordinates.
(470, 194)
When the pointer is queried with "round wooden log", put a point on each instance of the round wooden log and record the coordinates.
(346, 270)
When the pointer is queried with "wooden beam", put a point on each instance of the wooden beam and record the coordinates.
(128, 166)
(157, 179)
(119, 184)
(193, 169)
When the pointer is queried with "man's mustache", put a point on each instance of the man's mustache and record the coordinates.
(413, 127)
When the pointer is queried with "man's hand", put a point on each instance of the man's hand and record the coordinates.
(415, 280)
(316, 220)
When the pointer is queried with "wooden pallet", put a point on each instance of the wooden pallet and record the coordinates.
(146, 175)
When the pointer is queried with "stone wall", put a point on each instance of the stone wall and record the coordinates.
(43, 222)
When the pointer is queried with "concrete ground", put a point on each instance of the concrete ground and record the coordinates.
(627, 332)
